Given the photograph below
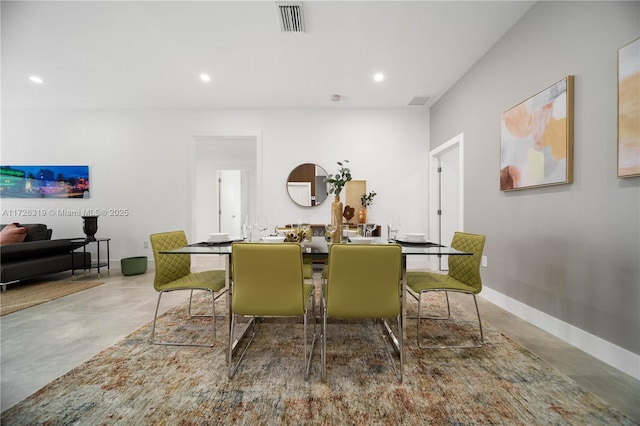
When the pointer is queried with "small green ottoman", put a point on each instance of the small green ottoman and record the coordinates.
(133, 265)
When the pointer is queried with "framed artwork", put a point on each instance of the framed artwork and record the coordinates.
(353, 190)
(536, 139)
(629, 110)
(44, 181)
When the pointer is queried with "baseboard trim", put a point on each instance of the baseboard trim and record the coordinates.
(617, 357)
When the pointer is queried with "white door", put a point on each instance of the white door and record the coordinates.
(447, 193)
(300, 192)
(230, 201)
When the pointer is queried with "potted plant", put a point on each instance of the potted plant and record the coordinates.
(365, 201)
(336, 184)
(338, 181)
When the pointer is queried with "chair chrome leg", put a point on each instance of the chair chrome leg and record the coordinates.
(387, 337)
(475, 301)
(234, 368)
(401, 337)
(190, 300)
(213, 313)
(204, 345)
(323, 349)
(446, 295)
(309, 357)
(155, 317)
(213, 308)
(418, 298)
(446, 318)
(216, 298)
(308, 352)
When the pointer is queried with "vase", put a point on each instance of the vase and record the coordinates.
(336, 219)
(362, 215)
(90, 227)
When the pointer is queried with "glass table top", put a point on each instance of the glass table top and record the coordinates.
(319, 247)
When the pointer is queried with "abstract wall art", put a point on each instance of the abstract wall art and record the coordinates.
(44, 181)
(536, 138)
(629, 110)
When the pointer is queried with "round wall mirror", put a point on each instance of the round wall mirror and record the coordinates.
(306, 185)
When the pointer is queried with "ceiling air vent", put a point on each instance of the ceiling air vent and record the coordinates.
(290, 17)
(419, 100)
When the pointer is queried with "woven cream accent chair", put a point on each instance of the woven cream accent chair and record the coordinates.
(268, 281)
(463, 277)
(173, 273)
(364, 282)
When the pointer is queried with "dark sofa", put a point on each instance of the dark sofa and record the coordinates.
(39, 255)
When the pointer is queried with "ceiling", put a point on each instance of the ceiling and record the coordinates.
(149, 54)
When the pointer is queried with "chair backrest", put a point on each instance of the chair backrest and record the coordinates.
(364, 281)
(467, 268)
(169, 267)
(267, 279)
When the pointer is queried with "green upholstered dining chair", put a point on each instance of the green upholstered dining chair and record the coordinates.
(363, 282)
(463, 277)
(173, 273)
(268, 281)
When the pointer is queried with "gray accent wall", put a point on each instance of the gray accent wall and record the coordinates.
(571, 251)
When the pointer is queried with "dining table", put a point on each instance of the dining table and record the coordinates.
(318, 248)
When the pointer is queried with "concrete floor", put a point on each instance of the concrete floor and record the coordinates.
(43, 342)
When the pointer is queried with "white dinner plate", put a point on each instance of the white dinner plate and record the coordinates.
(217, 237)
(273, 239)
(415, 237)
(361, 240)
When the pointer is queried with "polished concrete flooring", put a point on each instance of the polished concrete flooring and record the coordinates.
(43, 342)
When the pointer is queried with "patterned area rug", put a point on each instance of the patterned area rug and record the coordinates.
(134, 382)
(24, 295)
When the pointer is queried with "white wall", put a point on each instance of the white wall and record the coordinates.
(144, 161)
(567, 257)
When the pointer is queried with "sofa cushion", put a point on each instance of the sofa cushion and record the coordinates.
(34, 249)
(37, 232)
(12, 234)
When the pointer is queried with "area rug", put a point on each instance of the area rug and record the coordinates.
(134, 382)
(24, 295)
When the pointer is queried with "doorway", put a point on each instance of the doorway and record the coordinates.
(226, 184)
(233, 200)
(446, 200)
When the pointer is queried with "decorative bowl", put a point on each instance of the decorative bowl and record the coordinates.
(218, 236)
(416, 237)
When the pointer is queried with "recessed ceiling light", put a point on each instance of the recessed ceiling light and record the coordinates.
(205, 77)
(378, 76)
(35, 79)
